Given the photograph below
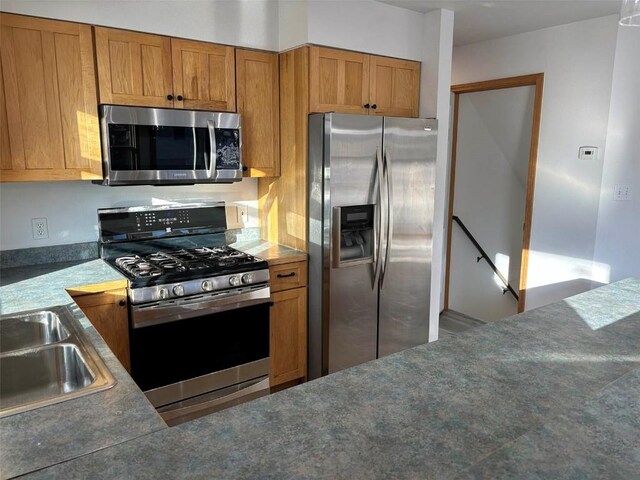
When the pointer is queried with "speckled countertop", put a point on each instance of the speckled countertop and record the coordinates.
(54, 434)
(552, 393)
(49, 435)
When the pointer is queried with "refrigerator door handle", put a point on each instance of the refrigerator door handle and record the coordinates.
(389, 216)
(381, 207)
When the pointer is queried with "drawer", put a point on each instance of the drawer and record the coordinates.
(288, 275)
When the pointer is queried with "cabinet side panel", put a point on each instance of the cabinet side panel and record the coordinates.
(283, 201)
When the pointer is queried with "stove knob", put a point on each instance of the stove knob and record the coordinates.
(234, 281)
(178, 290)
(163, 293)
(247, 278)
(207, 285)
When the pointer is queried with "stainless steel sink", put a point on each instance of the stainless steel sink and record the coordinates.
(32, 330)
(46, 358)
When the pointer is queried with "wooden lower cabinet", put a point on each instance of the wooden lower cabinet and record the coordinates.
(108, 313)
(288, 336)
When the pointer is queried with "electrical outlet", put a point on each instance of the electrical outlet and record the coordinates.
(243, 215)
(622, 193)
(39, 228)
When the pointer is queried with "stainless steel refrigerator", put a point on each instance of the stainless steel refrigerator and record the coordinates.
(371, 189)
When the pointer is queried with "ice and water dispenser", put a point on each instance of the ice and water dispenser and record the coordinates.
(353, 235)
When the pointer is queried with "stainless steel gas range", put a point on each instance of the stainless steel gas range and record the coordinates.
(198, 309)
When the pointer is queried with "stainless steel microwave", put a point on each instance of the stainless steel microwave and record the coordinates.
(157, 146)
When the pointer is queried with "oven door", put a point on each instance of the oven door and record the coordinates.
(210, 359)
(153, 146)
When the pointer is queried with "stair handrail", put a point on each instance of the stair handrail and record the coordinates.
(507, 287)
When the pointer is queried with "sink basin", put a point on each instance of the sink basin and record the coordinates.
(40, 374)
(45, 358)
(32, 330)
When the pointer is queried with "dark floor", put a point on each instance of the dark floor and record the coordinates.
(454, 323)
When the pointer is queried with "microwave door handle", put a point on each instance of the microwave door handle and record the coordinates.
(213, 155)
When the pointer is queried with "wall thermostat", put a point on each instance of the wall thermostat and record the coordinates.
(588, 153)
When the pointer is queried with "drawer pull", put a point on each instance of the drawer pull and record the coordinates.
(285, 275)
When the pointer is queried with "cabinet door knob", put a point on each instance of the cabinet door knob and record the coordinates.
(169, 97)
(374, 106)
(180, 98)
(245, 168)
(366, 105)
(122, 303)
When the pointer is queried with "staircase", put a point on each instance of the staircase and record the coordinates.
(454, 323)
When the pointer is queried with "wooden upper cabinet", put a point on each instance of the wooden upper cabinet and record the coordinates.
(203, 75)
(48, 104)
(134, 68)
(338, 81)
(394, 87)
(258, 103)
(350, 82)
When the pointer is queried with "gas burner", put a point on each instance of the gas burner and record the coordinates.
(192, 263)
(137, 267)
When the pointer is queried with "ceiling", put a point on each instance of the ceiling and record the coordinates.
(478, 20)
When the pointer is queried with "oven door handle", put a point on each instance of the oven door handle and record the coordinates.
(257, 390)
(182, 309)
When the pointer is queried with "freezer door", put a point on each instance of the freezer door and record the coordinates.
(405, 281)
(351, 143)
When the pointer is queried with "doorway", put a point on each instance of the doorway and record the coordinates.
(494, 150)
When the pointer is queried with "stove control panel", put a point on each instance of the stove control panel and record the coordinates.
(212, 285)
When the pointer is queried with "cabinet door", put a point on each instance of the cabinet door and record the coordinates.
(134, 68)
(338, 81)
(394, 87)
(108, 313)
(288, 336)
(203, 75)
(48, 104)
(257, 83)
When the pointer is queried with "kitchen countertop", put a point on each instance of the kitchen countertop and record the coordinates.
(42, 437)
(551, 393)
(45, 436)
(273, 253)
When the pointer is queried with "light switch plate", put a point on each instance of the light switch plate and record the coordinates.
(622, 193)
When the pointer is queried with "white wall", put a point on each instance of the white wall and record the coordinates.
(293, 23)
(618, 235)
(366, 26)
(70, 207)
(435, 79)
(577, 60)
(492, 158)
(245, 23)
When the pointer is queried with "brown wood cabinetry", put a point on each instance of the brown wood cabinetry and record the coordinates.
(133, 68)
(339, 81)
(288, 323)
(258, 103)
(203, 76)
(394, 87)
(148, 70)
(107, 311)
(350, 82)
(317, 79)
(48, 103)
